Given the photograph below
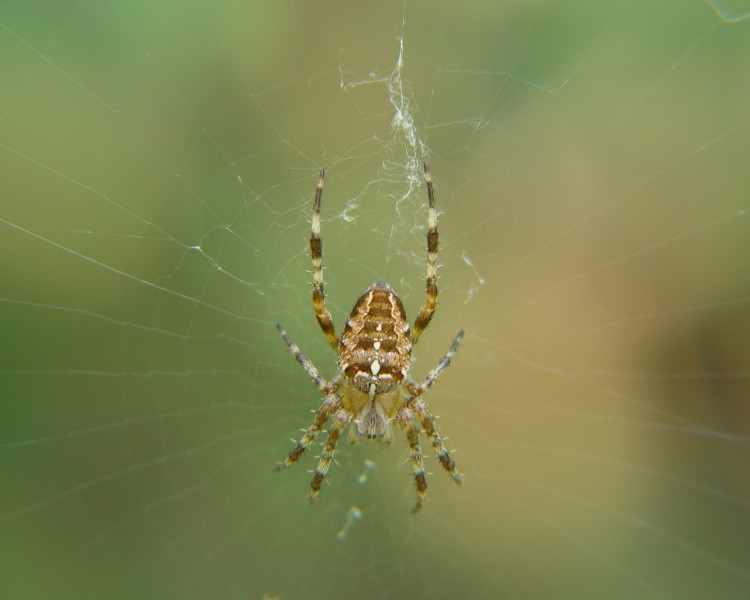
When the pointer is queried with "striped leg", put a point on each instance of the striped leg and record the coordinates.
(416, 404)
(442, 364)
(340, 420)
(438, 446)
(330, 405)
(314, 374)
(316, 253)
(406, 420)
(428, 308)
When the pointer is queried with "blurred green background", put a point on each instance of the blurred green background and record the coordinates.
(157, 166)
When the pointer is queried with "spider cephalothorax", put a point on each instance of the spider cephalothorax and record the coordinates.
(372, 387)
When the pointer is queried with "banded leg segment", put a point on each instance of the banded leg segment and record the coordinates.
(307, 365)
(428, 308)
(441, 365)
(316, 253)
(330, 405)
(340, 420)
(405, 419)
(415, 403)
(438, 446)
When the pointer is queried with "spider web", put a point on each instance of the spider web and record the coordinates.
(158, 166)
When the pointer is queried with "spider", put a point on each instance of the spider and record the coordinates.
(372, 387)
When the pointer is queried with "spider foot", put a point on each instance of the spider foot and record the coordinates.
(417, 506)
(420, 479)
(315, 485)
(450, 467)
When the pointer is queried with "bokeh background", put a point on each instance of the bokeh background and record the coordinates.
(157, 166)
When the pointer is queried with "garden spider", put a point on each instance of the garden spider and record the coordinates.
(373, 387)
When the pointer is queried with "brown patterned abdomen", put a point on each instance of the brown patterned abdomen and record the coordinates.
(375, 346)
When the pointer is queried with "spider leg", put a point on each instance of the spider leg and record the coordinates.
(442, 364)
(438, 446)
(405, 418)
(330, 405)
(340, 420)
(316, 253)
(416, 404)
(323, 385)
(428, 308)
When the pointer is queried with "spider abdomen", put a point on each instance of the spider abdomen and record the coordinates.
(375, 346)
